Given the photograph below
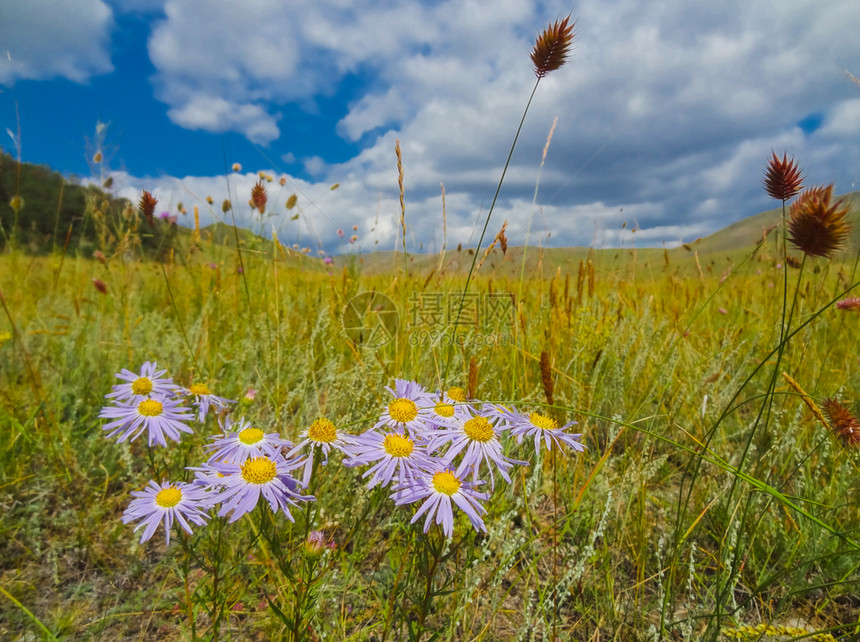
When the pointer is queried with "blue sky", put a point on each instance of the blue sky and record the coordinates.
(667, 112)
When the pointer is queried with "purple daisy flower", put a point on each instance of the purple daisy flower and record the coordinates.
(438, 490)
(260, 476)
(322, 434)
(543, 427)
(446, 412)
(393, 453)
(457, 394)
(410, 409)
(164, 503)
(240, 441)
(146, 384)
(159, 416)
(204, 399)
(478, 441)
(210, 479)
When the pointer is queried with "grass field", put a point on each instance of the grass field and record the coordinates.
(701, 493)
(709, 497)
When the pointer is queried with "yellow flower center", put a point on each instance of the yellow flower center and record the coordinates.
(260, 470)
(542, 421)
(479, 429)
(403, 410)
(199, 389)
(322, 431)
(250, 436)
(398, 445)
(444, 409)
(150, 408)
(446, 482)
(141, 386)
(457, 394)
(168, 497)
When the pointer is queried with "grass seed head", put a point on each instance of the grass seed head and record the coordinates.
(843, 422)
(546, 377)
(473, 377)
(100, 285)
(16, 203)
(147, 205)
(552, 46)
(259, 197)
(818, 227)
(851, 303)
(503, 240)
(782, 178)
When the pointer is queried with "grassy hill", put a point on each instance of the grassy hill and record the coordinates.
(59, 215)
(717, 251)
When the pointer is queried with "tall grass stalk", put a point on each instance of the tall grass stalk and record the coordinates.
(549, 53)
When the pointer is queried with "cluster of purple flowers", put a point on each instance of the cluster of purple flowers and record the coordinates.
(244, 462)
(429, 447)
(151, 402)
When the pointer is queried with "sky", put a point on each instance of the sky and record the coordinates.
(662, 120)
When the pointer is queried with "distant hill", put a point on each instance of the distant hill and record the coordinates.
(714, 252)
(748, 231)
(56, 214)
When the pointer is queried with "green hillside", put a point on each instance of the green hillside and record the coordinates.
(58, 215)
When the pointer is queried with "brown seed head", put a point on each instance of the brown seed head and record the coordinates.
(851, 303)
(552, 46)
(817, 226)
(810, 403)
(843, 422)
(793, 261)
(473, 377)
(291, 201)
(782, 178)
(546, 377)
(259, 197)
(147, 205)
(100, 285)
(100, 257)
(226, 206)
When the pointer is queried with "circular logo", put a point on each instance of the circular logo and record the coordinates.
(370, 319)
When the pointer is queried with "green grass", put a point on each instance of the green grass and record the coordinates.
(642, 533)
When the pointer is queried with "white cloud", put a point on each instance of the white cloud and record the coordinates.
(218, 115)
(668, 112)
(43, 39)
(843, 119)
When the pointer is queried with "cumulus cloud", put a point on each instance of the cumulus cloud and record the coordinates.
(44, 39)
(843, 119)
(667, 113)
(215, 114)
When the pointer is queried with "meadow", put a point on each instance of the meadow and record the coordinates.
(709, 497)
(707, 489)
